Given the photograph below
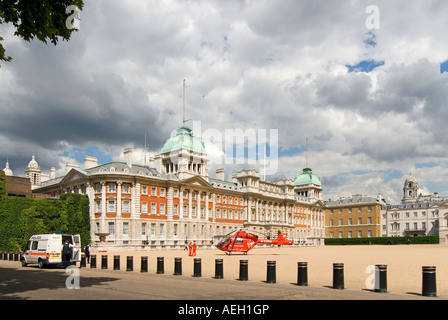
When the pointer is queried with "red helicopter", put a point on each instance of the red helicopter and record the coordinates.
(242, 241)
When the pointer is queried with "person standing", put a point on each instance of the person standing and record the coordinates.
(67, 250)
(87, 252)
(194, 248)
(190, 248)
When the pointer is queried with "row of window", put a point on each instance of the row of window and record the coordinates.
(160, 208)
(396, 226)
(154, 208)
(350, 210)
(349, 234)
(153, 191)
(350, 221)
(161, 192)
(396, 215)
(159, 229)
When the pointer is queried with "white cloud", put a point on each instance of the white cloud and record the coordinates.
(248, 64)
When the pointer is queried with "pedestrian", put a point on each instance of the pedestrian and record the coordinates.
(67, 250)
(186, 246)
(190, 248)
(87, 252)
(194, 248)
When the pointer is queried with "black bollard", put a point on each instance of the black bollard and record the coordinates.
(380, 278)
(271, 272)
(178, 266)
(197, 272)
(93, 261)
(116, 263)
(338, 276)
(429, 281)
(83, 261)
(160, 265)
(129, 263)
(103, 262)
(144, 264)
(302, 274)
(219, 274)
(243, 270)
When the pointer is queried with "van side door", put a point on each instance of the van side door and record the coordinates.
(31, 256)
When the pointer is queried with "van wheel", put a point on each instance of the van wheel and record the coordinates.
(41, 264)
(24, 262)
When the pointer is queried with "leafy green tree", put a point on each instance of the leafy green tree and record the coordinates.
(20, 217)
(45, 20)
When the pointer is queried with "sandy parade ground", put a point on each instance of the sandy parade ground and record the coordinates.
(404, 264)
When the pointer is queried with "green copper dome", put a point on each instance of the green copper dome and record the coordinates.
(183, 139)
(307, 176)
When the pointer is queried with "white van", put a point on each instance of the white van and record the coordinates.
(46, 249)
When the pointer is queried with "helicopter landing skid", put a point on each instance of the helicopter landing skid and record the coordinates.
(230, 252)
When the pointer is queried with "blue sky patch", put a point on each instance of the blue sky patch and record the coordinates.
(290, 152)
(364, 66)
(79, 154)
(392, 174)
(426, 165)
(370, 39)
(444, 66)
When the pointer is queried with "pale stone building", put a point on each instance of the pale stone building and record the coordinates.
(417, 214)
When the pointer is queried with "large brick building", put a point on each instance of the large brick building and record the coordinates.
(358, 216)
(173, 199)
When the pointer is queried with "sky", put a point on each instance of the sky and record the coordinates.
(357, 92)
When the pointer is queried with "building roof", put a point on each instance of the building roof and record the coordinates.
(183, 139)
(307, 176)
(354, 200)
(122, 167)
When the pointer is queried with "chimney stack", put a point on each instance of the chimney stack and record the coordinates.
(52, 173)
(220, 174)
(71, 165)
(128, 156)
(90, 162)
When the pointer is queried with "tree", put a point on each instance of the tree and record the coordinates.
(45, 20)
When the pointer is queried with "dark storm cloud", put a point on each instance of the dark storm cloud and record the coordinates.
(248, 64)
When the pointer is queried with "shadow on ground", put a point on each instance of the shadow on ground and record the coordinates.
(14, 281)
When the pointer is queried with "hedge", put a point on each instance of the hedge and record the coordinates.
(382, 240)
(20, 218)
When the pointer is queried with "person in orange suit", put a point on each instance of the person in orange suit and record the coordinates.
(194, 248)
(190, 249)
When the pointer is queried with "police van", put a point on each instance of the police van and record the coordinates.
(46, 249)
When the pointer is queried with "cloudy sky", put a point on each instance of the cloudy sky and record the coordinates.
(367, 87)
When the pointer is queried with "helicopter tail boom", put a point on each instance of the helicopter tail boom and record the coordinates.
(281, 240)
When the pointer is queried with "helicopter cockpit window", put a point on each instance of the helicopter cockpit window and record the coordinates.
(239, 241)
